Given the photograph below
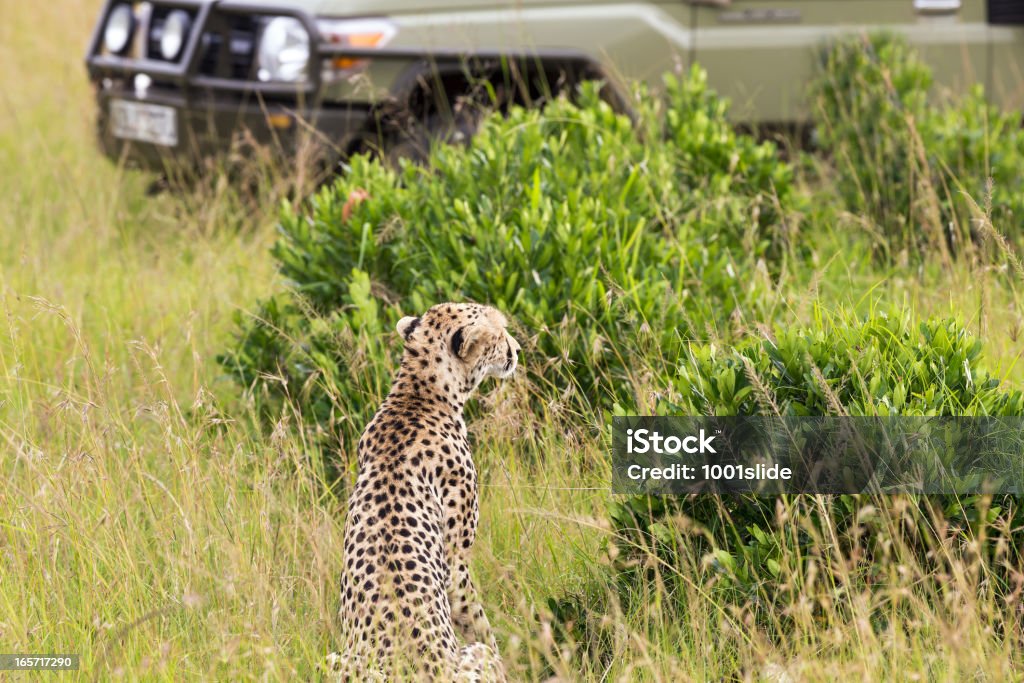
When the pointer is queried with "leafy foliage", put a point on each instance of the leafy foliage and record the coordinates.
(883, 365)
(599, 235)
(879, 366)
(910, 165)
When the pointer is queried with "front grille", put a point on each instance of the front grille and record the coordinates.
(1007, 12)
(156, 30)
(227, 48)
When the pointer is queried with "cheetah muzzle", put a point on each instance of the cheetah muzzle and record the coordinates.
(408, 606)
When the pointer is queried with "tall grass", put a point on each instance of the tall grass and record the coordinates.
(149, 523)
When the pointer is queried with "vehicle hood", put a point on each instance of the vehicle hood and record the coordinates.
(345, 8)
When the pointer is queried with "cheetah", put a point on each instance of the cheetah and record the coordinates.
(406, 594)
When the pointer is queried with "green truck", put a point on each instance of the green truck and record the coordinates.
(176, 80)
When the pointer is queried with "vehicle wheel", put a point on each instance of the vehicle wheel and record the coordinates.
(413, 140)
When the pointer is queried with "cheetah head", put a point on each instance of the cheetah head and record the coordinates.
(455, 346)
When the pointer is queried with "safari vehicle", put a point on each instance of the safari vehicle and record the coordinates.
(179, 79)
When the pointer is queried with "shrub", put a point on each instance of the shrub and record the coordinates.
(760, 547)
(880, 366)
(597, 234)
(907, 164)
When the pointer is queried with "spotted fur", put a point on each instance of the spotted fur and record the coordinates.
(409, 609)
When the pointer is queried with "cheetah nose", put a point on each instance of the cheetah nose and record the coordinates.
(516, 348)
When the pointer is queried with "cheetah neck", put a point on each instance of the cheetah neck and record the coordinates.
(437, 390)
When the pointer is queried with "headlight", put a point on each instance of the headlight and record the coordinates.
(175, 30)
(284, 51)
(357, 33)
(118, 32)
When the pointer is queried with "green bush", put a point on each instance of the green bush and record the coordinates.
(883, 365)
(907, 164)
(602, 236)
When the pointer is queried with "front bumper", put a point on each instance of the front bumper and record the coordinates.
(216, 124)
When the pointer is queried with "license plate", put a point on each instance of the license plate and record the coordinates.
(144, 122)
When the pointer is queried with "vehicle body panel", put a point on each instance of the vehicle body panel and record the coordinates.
(1005, 83)
(630, 41)
(358, 8)
(763, 61)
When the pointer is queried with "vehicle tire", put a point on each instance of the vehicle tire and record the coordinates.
(414, 140)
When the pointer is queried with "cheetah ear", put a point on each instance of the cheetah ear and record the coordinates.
(466, 340)
(407, 325)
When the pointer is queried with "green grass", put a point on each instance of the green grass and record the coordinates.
(148, 524)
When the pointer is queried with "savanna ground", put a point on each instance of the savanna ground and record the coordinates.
(149, 523)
